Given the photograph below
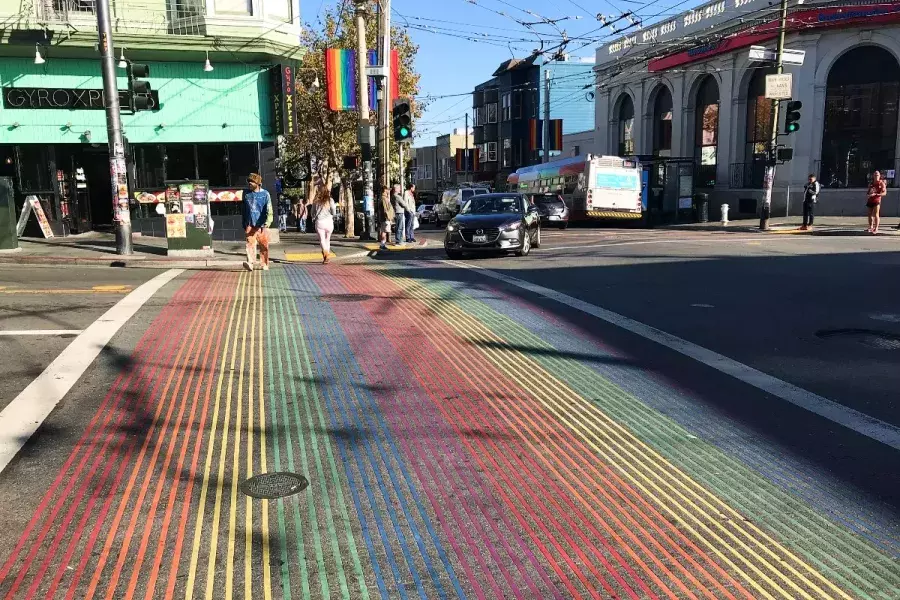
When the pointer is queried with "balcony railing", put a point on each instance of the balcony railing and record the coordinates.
(831, 178)
(179, 17)
(64, 11)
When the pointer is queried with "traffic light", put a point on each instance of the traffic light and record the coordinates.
(792, 117)
(138, 90)
(402, 121)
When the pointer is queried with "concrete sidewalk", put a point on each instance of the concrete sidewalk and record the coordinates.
(842, 226)
(99, 249)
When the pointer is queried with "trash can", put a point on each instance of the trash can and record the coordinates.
(701, 208)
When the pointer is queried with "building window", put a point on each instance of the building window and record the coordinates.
(491, 112)
(626, 126)
(507, 152)
(706, 134)
(429, 174)
(535, 101)
(70, 6)
(212, 164)
(148, 162)
(491, 151)
(860, 133)
(180, 161)
(576, 150)
(34, 168)
(243, 159)
(506, 106)
(517, 157)
(759, 116)
(517, 104)
(662, 123)
(479, 116)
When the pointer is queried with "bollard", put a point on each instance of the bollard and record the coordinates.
(724, 214)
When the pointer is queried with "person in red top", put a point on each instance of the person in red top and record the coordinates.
(877, 191)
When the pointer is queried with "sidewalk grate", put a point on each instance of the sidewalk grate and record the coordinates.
(880, 340)
(269, 486)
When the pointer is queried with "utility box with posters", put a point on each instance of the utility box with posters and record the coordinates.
(9, 239)
(188, 223)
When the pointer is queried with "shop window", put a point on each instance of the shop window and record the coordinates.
(243, 159)
(860, 130)
(180, 161)
(662, 123)
(148, 166)
(212, 164)
(626, 126)
(706, 131)
(34, 168)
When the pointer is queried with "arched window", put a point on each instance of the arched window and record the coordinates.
(759, 130)
(626, 126)
(662, 123)
(860, 117)
(706, 131)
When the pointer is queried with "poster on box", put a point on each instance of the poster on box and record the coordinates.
(187, 207)
(189, 218)
(175, 226)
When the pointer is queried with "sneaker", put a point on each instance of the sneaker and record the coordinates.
(804, 228)
(248, 265)
(265, 267)
(382, 247)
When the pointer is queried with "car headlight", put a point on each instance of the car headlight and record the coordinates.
(452, 226)
(512, 226)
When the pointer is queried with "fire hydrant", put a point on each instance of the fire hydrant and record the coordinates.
(724, 214)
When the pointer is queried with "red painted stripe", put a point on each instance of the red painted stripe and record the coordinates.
(218, 322)
(588, 460)
(426, 375)
(186, 505)
(110, 406)
(159, 433)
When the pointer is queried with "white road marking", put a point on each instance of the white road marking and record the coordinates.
(852, 419)
(642, 242)
(20, 332)
(22, 417)
(702, 306)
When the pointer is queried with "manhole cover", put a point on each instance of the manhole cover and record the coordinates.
(269, 486)
(880, 340)
(345, 297)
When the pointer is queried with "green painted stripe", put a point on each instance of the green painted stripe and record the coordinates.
(840, 554)
(292, 323)
(271, 316)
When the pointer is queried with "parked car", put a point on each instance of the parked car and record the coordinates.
(453, 200)
(553, 210)
(494, 223)
(426, 213)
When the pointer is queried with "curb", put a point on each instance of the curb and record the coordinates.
(136, 262)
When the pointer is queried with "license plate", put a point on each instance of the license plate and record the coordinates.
(479, 239)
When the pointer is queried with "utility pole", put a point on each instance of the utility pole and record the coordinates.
(466, 155)
(384, 112)
(769, 181)
(121, 205)
(364, 126)
(402, 167)
(546, 128)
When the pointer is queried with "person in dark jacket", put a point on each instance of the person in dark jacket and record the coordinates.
(810, 197)
(257, 216)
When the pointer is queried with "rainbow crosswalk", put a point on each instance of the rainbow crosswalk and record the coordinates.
(459, 443)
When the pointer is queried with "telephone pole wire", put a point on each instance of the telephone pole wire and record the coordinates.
(121, 204)
(769, 182)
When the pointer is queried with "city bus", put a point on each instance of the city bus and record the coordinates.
(593, 187)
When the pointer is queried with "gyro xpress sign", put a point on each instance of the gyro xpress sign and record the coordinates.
(62, 98)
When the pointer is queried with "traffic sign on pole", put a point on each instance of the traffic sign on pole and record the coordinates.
(778, 87)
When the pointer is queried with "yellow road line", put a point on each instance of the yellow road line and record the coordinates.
(198, 528)
(263, 460)
(534, 376)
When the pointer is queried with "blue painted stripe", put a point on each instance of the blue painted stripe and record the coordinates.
(336, 346)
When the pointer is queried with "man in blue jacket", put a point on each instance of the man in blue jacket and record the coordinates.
(257, 217)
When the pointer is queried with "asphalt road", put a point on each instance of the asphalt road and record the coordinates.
(462, 433)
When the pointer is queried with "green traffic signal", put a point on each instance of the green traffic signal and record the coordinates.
(792, 117)
(402, 113)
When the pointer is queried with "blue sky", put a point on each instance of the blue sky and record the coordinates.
(451, 65)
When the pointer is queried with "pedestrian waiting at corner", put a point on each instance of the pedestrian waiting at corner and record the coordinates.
(810, 197)
(876, 193)
(385, 212)
(399, 206)
(409, 203)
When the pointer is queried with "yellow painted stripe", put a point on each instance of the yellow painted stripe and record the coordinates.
(198, 528)
(263, 460)
(561, 402)
(611, 214)
(251, 398)
(306, 256)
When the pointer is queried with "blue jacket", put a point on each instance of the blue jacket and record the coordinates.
(256, 208)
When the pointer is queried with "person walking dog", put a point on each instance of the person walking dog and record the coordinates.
(257, 215)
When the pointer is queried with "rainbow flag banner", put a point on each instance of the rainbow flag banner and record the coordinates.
(556, 134)
(340, 78)
(535, 134)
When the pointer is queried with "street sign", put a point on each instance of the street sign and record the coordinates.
(778, 87)
(788, 56)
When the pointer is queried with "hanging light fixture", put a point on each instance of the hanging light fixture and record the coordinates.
(207, 66)
(123, 64)
(38, 59)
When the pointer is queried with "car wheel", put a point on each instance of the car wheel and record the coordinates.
(526, 245)
(454, 254)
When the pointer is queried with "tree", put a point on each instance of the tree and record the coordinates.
(327, 136)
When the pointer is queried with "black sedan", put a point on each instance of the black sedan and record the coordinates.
(494, 223)
(553, 210)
